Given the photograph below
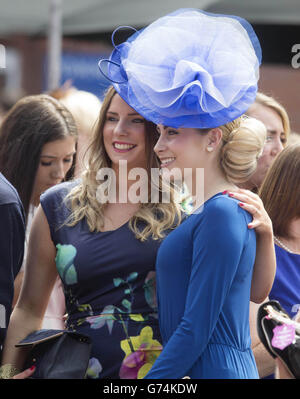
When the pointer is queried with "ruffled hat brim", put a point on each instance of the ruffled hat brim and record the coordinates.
(188, 69)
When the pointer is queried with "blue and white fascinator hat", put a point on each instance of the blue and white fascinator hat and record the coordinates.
(188, 69)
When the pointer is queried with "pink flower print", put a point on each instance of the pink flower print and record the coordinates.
(146, 350)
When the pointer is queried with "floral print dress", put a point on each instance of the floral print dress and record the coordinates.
(110, 289)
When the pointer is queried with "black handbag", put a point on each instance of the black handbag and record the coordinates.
(57, 354)
(271, 317)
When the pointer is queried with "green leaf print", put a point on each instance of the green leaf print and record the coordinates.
(118, 281)
(150, 290)
(132, 277)
(64, 263)
(126, 304)
(106, 318)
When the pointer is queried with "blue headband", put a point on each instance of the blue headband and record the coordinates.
(188, 69)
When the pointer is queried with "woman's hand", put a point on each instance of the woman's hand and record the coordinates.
(24, 374)
(253, 204)
(8, 371)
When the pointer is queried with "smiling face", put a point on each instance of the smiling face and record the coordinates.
(274, 144)
(124, 135)
(181, 148)
(55, 161)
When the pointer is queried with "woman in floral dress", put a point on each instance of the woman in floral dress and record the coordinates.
(105, 253)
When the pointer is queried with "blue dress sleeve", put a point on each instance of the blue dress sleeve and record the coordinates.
(218, 241)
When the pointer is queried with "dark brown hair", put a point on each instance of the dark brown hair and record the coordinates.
(280, 190)
(31, 123)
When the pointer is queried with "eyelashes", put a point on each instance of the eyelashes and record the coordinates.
(135, 120)
(170, 132)
(44, 163)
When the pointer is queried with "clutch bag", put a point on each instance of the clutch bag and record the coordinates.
(57, 354)
(280, 335)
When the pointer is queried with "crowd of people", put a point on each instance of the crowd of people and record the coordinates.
(164, 288)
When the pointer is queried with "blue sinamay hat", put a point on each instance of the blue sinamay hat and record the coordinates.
(188, 69)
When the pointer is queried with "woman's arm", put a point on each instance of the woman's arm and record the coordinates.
(265, 261)
(17, 286)
(40, 275)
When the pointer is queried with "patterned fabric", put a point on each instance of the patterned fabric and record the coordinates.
(109, 285)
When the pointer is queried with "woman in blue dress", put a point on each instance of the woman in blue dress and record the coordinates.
(196, 88)
(105, 250)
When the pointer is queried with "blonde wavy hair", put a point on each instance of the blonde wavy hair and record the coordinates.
(270, 102)
(157, 218)
(242, 144)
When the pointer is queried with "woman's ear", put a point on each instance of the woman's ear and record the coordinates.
(214, 138)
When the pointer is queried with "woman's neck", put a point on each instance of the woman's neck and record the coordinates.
(213, 182)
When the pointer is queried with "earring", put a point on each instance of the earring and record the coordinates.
(209, 148)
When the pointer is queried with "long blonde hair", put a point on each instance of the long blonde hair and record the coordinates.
(157, 217)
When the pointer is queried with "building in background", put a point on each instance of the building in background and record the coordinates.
(87, 28)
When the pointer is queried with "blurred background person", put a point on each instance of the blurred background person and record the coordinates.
(37, 147)
(280, 193)
(12, 235)
(275, 118)
(294, 137)
(85, 108)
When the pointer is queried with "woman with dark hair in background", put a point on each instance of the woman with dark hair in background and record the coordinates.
(85, 108)
(37, 146)
(280, 193)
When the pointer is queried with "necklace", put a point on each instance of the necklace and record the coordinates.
(284, 246)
